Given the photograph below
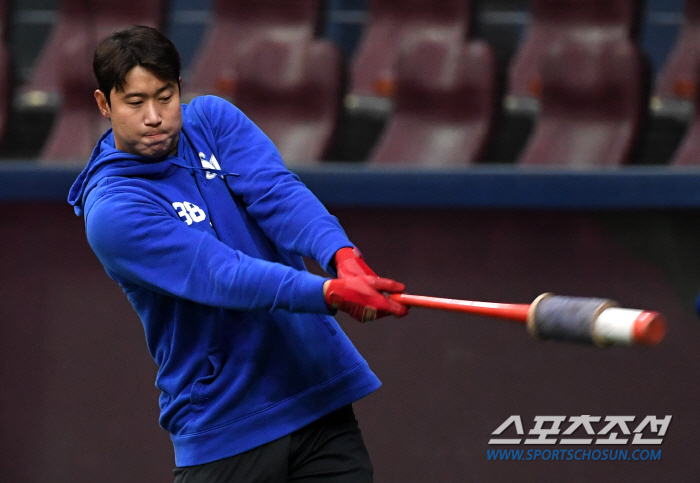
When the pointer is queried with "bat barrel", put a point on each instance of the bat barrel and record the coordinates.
(593, 321)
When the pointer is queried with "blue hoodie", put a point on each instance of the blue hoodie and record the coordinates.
(207, 246)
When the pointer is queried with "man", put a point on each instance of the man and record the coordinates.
(191, 210)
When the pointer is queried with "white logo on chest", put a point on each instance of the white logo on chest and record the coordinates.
(211, 164)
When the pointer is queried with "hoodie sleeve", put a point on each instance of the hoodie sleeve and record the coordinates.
(283, 207)
(145, 245)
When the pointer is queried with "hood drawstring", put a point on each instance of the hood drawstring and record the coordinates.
(218, 172)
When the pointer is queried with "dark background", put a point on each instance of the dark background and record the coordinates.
(79, 404)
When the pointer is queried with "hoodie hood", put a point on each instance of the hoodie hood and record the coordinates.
(106, 160)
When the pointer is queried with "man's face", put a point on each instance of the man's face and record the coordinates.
(146, 117)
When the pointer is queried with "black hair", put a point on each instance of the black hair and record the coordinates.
(141, 46)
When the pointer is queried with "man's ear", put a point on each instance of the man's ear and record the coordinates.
(102, 104)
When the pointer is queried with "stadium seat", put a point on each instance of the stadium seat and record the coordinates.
(78, 124)
(445, 105)
(237, 25)
(394, 25)
(676, 79)
(292, 91)
(592, 102)
(82, 22)
(688, 152)
(552, 20)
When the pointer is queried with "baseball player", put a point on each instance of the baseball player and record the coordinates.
(191, 210)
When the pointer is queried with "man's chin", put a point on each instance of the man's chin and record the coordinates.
(162, 153)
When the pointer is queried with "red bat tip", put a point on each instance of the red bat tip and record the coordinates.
(649, 328)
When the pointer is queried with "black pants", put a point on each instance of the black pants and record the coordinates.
(330, 449)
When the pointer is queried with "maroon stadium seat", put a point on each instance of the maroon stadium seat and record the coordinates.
(83, 22)
(393, 25)
(78, 124)
(676, 79)
(592, 100)
(445, 104)
(292, 91)
(551, 20)
(688, 152)
(238, 24)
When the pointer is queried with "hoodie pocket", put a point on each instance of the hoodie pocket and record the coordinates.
(326, 322)
(200, 394)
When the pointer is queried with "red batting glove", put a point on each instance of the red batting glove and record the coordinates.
(349, 263)
(361, 297)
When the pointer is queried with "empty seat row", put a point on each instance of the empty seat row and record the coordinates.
(438, 87)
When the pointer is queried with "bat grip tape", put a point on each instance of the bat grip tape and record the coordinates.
(566, 318)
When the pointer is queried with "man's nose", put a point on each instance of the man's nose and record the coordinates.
(152, 115)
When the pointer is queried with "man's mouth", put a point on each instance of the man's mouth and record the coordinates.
(156, 137)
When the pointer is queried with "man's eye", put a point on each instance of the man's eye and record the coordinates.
(135, 103)
(165, 99)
